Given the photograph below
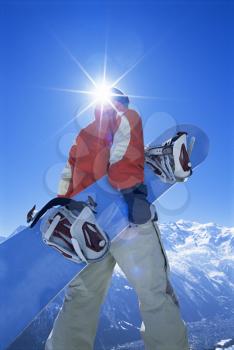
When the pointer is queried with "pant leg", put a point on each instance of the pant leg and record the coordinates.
(140, 254)
(76, 324)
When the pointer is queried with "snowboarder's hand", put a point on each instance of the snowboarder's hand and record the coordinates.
(139, 209)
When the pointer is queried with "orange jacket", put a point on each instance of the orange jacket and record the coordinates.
(111, 144)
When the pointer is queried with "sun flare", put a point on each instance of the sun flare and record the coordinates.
(103, 93)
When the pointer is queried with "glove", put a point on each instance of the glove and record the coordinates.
(139, 209)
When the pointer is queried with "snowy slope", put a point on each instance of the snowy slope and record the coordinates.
(202, 273)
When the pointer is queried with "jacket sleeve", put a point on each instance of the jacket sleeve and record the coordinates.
(126, 164)
(65, 184)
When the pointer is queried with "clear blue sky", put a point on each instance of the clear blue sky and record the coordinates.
(188, 63)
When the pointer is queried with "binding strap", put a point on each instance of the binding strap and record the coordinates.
(71, 204)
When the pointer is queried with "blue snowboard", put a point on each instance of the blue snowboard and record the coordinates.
(32, 274)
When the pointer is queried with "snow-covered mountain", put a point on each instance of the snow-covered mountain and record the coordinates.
(202, 263)
(227, 344)
(202, 273)
(17, 230)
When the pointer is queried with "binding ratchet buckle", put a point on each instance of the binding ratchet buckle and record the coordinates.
(171, 160)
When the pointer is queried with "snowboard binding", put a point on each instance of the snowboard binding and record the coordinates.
(72, 229)
(171, 161)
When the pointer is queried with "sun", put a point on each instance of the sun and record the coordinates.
(102, 93)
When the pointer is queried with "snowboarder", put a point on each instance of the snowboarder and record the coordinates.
(113, 144)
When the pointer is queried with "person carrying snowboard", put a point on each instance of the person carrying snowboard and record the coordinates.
(113, 145)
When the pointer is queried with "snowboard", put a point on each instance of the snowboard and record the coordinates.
(32, 273)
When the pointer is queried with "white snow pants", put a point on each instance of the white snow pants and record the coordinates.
(140, 254)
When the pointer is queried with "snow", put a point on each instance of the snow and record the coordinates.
(17, 230)
(223, 342)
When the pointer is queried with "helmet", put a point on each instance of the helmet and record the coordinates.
(118, 96)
